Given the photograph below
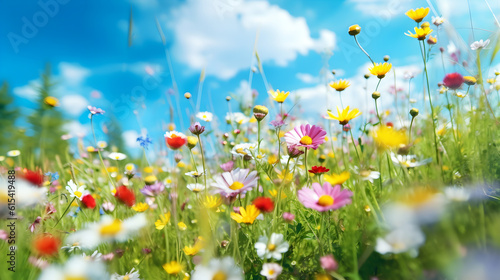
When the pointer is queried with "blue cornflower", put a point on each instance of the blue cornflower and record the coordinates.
(53, 176)
(144, 141)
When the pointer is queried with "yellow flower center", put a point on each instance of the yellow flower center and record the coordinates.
(236, 185)
(365, 173)
(204, 116)
(325, 200)
(68, 277)
(241, 151)
(220, 275)
(79, 194)
(271, 271)
(126, 277)
(306, 140)
(112, 228)
(271, 247)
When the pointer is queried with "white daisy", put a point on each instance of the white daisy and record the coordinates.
(96, 256)
(13, 153)
(74, 190)
(272, 247)
(132, 275)
(218, 269)
(437, 21)
(237, 117)
(71, 247)
(401, 240)
(244, 149)
(271, 270)
(367, 175)
(195, 174)
(196, 188)
(206, 116)
(117, 156)
(77, 267)
(477, 45)
(457, 194)
(408, 161)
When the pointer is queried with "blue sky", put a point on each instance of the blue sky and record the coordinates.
(299, 42)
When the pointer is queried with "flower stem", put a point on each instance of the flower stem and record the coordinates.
(203, 161)
(99, 152)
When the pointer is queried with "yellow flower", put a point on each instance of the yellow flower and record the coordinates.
(51, 101)
(345, 116)
(470, 80)
(281, 175)
(212, 201)
(420, 33)
(340, 85)
(173, 267)
(163, 221)
(182, 226)
(380, 69)
(151, 179)
(247, 215)
(192, 141)
(141, 207)
(387, 137)
(490, 81)
(418, 14)
(148, 169)
(274, 193)
(279, 96)
(191, 250)
(323, 276)
(181, 164)
(272, 159)
(337, 179)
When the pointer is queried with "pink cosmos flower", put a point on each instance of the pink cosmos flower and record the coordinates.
(328, 263)
(306, 135)
(324, 198)
(238, 181)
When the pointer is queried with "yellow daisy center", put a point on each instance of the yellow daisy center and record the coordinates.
(271, 271)
(236, 185)
(241, 151)
(271, 247)
(365, 173)
(75, 277)
(112, 228)
(79, 194)
(219, 276)
(306, 140)
(325, 200)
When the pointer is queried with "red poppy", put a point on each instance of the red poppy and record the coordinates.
(264, 204)
(175, 140)
(34, 177)
(389, 124)
(453, 80)
(318, 170)
(46, 245)
(89, 201)
(125, 195)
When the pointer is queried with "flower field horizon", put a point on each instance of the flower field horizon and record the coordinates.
(393, 173)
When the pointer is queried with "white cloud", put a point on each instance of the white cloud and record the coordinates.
(306, 78)
(74, 104)
(220, 36)
(28, 91)
(73, 74)
(75, 128)
(130, 137)
(386, 8)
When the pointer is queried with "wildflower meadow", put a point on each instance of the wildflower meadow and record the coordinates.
(391, 174)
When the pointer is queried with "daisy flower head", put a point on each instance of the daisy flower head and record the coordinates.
(76, 267)
(318, 170)
(386, 137)
(205, 116)
(51, 101)
(478, 45)
(173, 267)
(196, 188)
(237, 117)
(74, 190)
(380, 69)
(420, 33)
(271, 270)
(279, 96)
(117, 156)
(217, 269)
(247, 215)
(13, 153)
(403, 239)
(340, 85)
(175, 140)
(95, 110)
(418, 14)
(345, 116)
(324, 198)
(337, 179)
(273, 247)
(238, 181)
(306, 136)
(212, 201)
(437, 21)
(163, 221)
(132, 275)
(368, 175)
(408, 161)
(244, 149)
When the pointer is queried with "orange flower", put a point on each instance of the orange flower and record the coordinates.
(46, 245)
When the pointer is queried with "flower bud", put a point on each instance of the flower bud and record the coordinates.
(196, 128)
(228, 98)
(376, 95)
(386, 58)
(178, 158)
(425, 25)
(469, 80)
(414, 112)
(333, 72)
(367, 76)
(192, 141)
(432, 40)
(260, 112)
(354, 30)
(187, 95)
(346, 128)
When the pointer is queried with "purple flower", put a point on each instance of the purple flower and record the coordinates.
(95, 110)
(324, 198)
(196, 128)
(328, 263)
(289, 217)
(306, 135)
(153, 190)
(277, 123)
(294, 152)
(228, 166)
(35, 224)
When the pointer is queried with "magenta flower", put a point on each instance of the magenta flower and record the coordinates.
(324, 198)
(228, 166)
(306, 135)
(328, 263)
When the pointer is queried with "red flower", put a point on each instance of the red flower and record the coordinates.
(264, 204)
(46, 245)
(34, 177)
(453, 80)
(175, 140)
(389, 124)
(125, 195)
(318, 170)
(89, 201)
